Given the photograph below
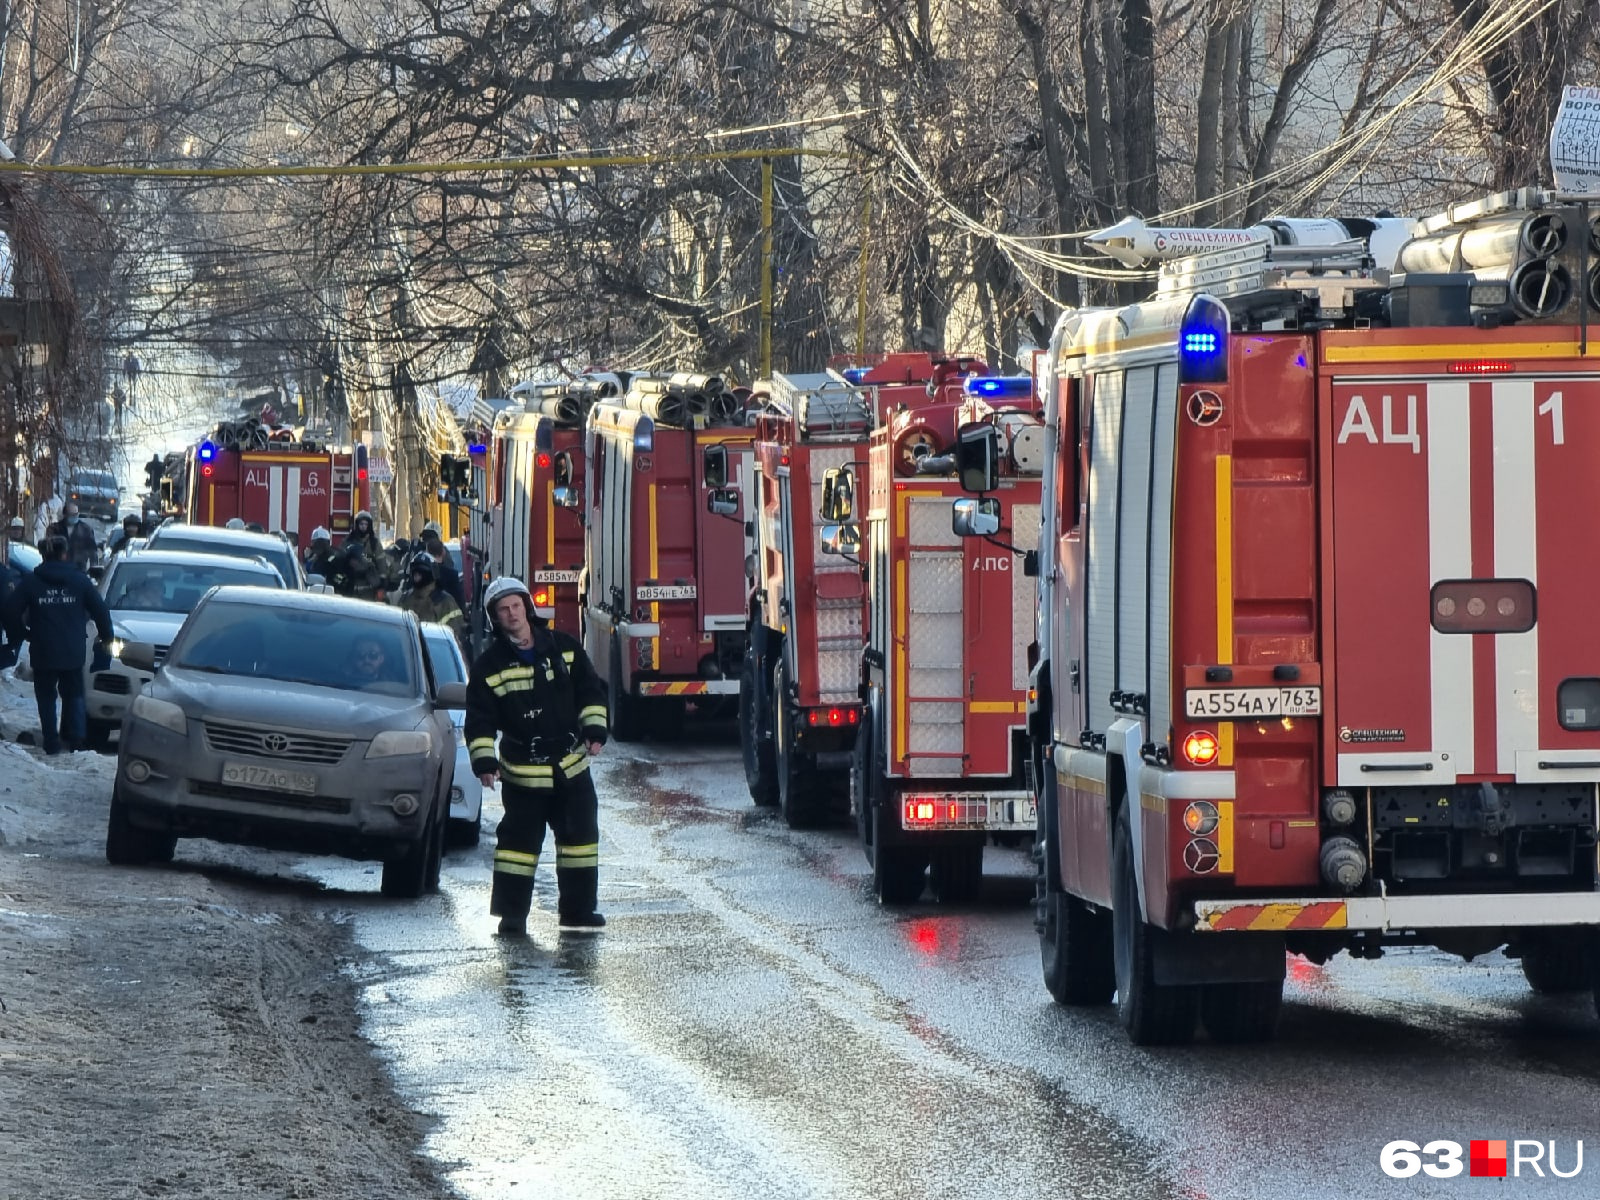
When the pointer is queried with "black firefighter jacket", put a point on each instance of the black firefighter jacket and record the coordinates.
(50, 609)
(544, 712)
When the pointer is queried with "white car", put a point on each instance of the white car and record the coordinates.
(466, 794)
(150, 594)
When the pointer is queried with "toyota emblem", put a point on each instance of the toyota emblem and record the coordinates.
(275, 743)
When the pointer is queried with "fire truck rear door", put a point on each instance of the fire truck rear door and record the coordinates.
(722, 540)
(932, 701)
(1464, 638)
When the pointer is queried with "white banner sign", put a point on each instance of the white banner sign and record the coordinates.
(1575, 142)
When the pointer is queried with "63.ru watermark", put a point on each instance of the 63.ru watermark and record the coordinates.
(1487, 1158)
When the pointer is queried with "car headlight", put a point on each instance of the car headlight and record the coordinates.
(160, 712)
(394, 741)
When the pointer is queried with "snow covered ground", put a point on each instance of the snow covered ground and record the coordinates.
(41, 798)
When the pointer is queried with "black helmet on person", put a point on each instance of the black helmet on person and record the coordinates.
(422, 566)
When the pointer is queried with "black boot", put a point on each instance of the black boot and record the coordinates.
(580, 888)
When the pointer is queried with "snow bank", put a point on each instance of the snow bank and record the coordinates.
(60, 799)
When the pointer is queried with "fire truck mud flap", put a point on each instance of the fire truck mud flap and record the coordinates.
(1180, 959)
(1400, 913)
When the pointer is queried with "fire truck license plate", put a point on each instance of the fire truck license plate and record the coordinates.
(554, 576)
(680, 591)
(1243, 704)
(275, 779)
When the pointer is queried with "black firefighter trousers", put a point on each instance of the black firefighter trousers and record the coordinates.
(572, 811)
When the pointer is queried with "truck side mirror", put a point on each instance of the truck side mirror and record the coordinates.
(565, 497)
(978, 457)
(838, 495)
(976, 518)
(715, 467)
(840, 539)
(723, 502)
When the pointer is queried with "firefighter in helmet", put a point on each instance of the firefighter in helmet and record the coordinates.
(536, 688)
(320, 555)
(362, 531)
(429, 601)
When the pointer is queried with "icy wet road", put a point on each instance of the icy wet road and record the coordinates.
(752, 1023)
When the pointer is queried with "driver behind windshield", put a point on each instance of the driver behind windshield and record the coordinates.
(366, 661)
(145, 592)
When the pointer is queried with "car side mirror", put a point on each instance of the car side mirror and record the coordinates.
(723, 502)
(976, 518)
(314, 580)
(715, 466)
(978, 457)
(450, 695)
(141, 656)
(321, 589)
(565, 497)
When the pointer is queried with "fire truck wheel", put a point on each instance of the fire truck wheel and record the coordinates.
(760, 771)
(802, 795)
(1556, 965)
(1241, 1012)
(957, 873)
(1154, 1014)
(626, 723)
(1075, 951)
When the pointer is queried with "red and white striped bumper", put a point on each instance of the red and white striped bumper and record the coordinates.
(691, 687)
(1399, 912)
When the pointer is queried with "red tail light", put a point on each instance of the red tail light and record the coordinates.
(542, 461)
(541, 598)
(1481, 366)
(836, 717)
(1201, 747)
(361, 474)
(206, 470)
(920, 812)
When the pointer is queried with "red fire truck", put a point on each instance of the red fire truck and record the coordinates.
(939, 762)
(535, 478)
(663, 596)
(1317, 668)
(799, 687)
(280, 484)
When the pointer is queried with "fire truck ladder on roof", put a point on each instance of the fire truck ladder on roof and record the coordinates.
(823, 403)
(1261, 266)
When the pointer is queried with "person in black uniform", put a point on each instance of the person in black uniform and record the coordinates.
(535, 687)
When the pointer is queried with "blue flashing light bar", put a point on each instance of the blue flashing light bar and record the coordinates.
(1203, 342)
(477, 449)
(992, 387)
(207, 451)
(855, 374)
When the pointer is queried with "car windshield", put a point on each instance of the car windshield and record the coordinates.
(280, 554)
(443, 657)
(102, 480)
(292, 645)
(168, 587)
